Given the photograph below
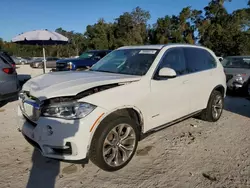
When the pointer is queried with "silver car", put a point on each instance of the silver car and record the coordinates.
(9, 84)
(237, 70)
(50, 63)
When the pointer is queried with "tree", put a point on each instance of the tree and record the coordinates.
(131, 28)
(225, 33)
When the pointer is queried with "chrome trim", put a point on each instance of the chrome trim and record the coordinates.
(24, 98)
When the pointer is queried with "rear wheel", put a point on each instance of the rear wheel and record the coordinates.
(214, 107)
(114, 143)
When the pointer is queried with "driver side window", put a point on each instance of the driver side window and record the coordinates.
(174, 58)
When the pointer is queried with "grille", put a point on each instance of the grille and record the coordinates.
(229, 77)
(61, 66)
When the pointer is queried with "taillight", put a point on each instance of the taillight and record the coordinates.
(13, 65)
(8, 70)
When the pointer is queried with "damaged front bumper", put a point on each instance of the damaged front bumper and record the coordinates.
(64, 140)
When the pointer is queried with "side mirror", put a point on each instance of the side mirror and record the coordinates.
(167, 73)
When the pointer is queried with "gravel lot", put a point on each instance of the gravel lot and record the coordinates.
(192, 153)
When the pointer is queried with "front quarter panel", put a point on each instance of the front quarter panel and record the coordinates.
(132, 95)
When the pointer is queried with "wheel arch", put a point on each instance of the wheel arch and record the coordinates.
(128, 111)
(221, 89)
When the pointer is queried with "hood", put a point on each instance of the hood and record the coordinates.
(58, 84)
(237, 71)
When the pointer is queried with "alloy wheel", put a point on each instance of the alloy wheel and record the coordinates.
(119, 145)
(217, 106)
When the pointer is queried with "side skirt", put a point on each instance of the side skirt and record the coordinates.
(144, 135)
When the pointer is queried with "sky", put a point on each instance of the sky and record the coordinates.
(18, 16)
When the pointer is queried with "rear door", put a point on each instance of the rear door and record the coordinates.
(202, 78)
(8, 77)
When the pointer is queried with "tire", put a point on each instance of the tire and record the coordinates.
(40, 66)
(216, 102)
(104, 141)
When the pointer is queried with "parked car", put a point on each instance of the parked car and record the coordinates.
(19, 60)
(50, 63)
(28, 60)
(9, 84)
(102, 113)
(22, 60)
(35, 62)
(86, 60)
(237, 70)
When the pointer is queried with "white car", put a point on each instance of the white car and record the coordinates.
(101, 114)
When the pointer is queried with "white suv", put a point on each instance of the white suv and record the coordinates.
(102, 113)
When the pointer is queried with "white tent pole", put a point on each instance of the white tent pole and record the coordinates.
(44, 61)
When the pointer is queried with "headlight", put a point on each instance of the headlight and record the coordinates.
(240, 77)
(69, 65)
(68, 110)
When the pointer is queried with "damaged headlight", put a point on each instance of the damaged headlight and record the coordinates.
(68, 110)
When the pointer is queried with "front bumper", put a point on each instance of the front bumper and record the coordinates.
(66, 140)
(234, 85)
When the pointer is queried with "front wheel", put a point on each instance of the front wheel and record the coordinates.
(214, 107)
(40, 66)
(114, 143)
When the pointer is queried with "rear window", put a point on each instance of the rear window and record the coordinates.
(6, 58)
(198, 60)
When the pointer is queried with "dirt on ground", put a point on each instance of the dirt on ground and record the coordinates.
(192, 153)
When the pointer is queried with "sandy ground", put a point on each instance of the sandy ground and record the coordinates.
(191, 154)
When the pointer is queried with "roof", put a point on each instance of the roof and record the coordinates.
(157, 46)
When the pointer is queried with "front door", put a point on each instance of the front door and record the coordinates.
(170, 97)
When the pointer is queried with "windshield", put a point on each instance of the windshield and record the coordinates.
(236, 62)
(127, 61)
(86, 55)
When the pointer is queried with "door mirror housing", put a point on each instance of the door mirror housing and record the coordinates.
(166, 72)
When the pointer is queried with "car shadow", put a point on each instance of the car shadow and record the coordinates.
(44, 170)
(238, 105)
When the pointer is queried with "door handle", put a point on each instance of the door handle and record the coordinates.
(185, 81)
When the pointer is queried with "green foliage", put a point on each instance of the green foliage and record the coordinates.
(225, 33)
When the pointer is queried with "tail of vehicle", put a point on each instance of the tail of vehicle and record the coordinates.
(9, 83)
